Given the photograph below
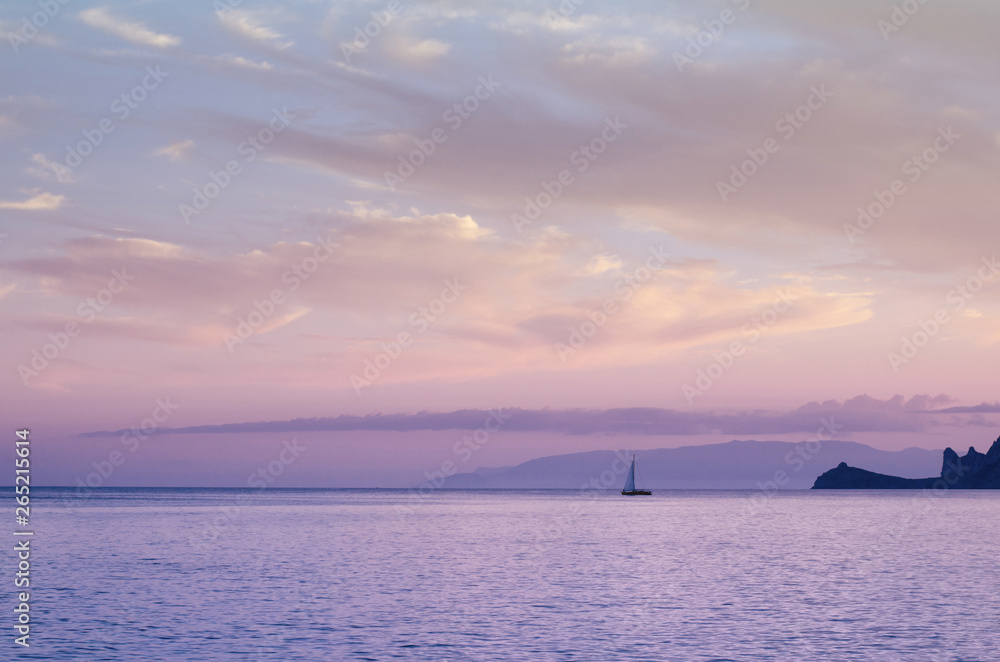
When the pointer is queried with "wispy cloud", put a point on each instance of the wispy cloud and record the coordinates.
(40, 202)
(408, 49)
(46, 170)
(133, 31)
(984, 408)
(528, 293)
(175, 151)
(860, 414)
(250, 25)
(240, 61)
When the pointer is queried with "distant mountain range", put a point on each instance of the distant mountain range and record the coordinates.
(732, 465)
(972, 471)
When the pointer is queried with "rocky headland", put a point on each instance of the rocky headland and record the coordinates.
(972, 471)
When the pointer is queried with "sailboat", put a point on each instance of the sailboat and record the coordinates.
(629, 489)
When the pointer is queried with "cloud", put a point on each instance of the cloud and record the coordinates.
(561, 80)
(46, 170)
(409, 49)
(602, 263)
(40, 202)
(984, 408)
(614, 52)
(239, 61)
(133, 31)
(520, 296)
(860, 414)
(250, 25)
(559, 85)
(175, 151)
(926, 403)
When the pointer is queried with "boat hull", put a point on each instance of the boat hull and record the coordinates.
(637, 493)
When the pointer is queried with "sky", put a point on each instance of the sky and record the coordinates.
(366, 226)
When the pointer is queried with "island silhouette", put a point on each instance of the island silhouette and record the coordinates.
(972, 471)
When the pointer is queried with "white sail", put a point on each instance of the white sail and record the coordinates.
(630, 481)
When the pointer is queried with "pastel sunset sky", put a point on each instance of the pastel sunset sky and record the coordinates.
(733, 218)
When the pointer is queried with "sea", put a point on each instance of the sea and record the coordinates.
(477, 576)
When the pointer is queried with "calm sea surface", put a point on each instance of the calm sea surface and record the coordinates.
(476, 576)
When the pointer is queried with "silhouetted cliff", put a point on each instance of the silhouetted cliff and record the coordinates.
(973, 471)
